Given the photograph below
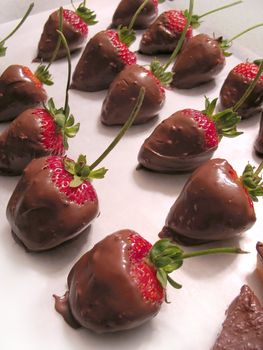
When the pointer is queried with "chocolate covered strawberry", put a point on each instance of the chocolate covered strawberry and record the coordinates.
(215, 204)
(259, 140)
(105, 55)
(187, 139)
(201, 59)
(259, 247)
(126, 9)
(235, 85)
(54, 201)
(121, 282)
(163, 34)
(3, 41)
(75, 30)
(243, 326)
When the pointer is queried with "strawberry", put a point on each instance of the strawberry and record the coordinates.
(3, 41)
(75, 29)
(187, 139)
(35, 133)
(126, 9)
(103, 58)
(243, 326)
(21, 89)
(259, 140)
(121, 282)
(54, 201)
(236, 83)
(215, 204)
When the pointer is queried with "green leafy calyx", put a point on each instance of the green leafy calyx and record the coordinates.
(2, 49)
(86, 14)
(158, 70)
(43, 75)
(81, 171)
(224, 45)
(225, 121)
(252, 181)
(195, 23)
(127, 36)
(64, 121)
(258, 62)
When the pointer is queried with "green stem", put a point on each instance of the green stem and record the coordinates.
(259, 169)
(60, 27)
(123, 130)
(249, 89)
(19, 24)
(182, 37)
(229, 250)
(139, 10)
(219, 9)
(64, 41)
(245, 31)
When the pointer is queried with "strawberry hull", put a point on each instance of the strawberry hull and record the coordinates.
(259, 141)
(49, 38)
(213, 205)
(98, 65)
(123, 92)
(126, 9)
(41, 216)
(234, 88)
(21, 143)
(102, 295)
(243, 327)
(200, 60)
(18, 92)
(177, 144)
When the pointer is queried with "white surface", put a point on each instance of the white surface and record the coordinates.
(194, 317)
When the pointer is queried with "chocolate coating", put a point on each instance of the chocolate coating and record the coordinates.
(18, 93)
(123, 93)
(234, 88)
(199, 61)
(49, 38)
(98, 65)
(20, 143)
(102, 295)
(259, 247)
(259, 140)
(176, 144)
(213, 205)
(126, 9)
(243, 327)
(41, 216)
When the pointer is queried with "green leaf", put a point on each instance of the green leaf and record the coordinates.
(60, 120)
(43, 75)
(69, 166)
(258, 62)
(72, 131)
(173, 283)
(98, 174)
(194, 21)
(126, 35)
(226, 123)
(210, 106)
(225, 45)
(70, 121)
(173, 266)
(252, 181)
(76, 182)
(85, 171)
(162, 277)
(163, 261)
(86, 14)
(159, 72)
(2, 49)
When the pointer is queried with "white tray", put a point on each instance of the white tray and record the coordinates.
(128, 198)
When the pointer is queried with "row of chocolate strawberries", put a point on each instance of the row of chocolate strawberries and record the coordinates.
(136, 259)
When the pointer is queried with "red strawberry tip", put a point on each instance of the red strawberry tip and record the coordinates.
(252, 181)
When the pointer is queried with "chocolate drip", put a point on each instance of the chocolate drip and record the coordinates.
(123, 92)
(234, 88)
(98, 65)
(213, 205)
(176, 144)
(49, 38)
(40, 215)
(243, 327)
(199, 61)
(126, 9)
(18, 92)
(259, 141)
(102, 295)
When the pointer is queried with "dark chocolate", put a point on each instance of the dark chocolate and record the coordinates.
(126, 9)
(18, 92)
(102, 295)
(234, 88)
(123, 93)
(259, 140)
(176, 144)
(41, 216)
(200, 60)
(243, 327)
(259, 247)
(49, 38)
(159, 39)
(213, 205)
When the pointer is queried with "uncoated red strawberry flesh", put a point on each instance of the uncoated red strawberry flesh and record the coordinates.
(125, 54)
(247, 70)
(32, 76)
(176, 21)
(61, 178)
(157, 81)
(72, 18)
